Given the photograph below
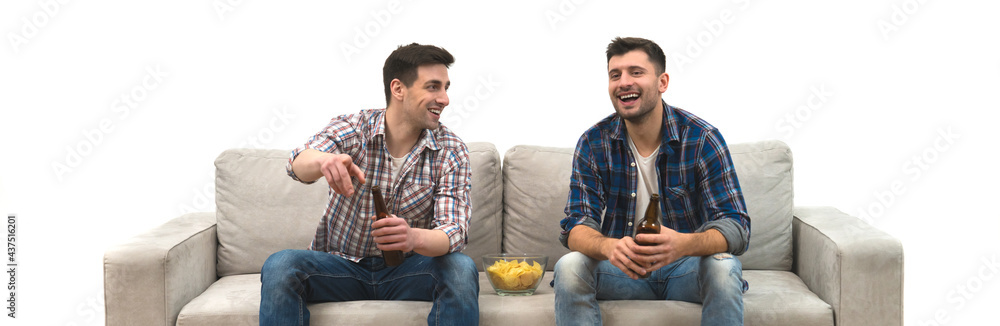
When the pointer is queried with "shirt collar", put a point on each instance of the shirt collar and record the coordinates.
(427, 139)
(671, 130)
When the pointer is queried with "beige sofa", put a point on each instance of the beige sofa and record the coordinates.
(806, 266)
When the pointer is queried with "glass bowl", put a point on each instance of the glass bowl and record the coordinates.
(515, 274)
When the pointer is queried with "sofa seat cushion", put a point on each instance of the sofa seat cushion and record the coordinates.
(235, 300)
(781, 298)
(774, 298)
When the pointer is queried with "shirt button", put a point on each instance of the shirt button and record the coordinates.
(633, 195)
(629, 223)
(633, 163)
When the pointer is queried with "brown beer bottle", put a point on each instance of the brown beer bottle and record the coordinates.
(392, 257)
(650, 222)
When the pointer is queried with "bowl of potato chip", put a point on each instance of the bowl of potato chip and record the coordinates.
(515, 274)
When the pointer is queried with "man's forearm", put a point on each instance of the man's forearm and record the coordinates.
(588, 241)
(306, 167)
(706, 243)
(431, 243)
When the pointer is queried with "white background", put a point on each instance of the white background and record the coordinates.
(903, 136)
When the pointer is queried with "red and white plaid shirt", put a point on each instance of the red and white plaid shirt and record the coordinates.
(432, 191)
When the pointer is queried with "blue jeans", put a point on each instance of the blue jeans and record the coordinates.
(714, 281)
(292, 278)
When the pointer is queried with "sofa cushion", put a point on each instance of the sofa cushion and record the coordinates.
(487, 199)
(235, 300)
(536, 185)
(774, 298)
(261, 210)
(765, 172)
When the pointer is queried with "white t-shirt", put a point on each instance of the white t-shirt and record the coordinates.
(397, 166)
(648, 182)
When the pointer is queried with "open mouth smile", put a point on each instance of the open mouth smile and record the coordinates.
(628, 98)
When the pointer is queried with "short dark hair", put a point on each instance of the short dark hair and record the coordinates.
(403, 62)
(623, 45)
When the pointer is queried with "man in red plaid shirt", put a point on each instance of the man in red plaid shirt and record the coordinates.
(423, 169)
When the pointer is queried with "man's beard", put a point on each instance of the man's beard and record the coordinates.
(644, 112)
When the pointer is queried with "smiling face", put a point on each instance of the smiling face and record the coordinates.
(634, 86)
(423, 101)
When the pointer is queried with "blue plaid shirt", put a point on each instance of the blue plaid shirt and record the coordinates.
(697, 181)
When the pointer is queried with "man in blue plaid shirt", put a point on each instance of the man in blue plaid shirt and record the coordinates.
(424, 171)
(648, 147)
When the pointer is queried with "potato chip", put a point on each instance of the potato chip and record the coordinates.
(513, 275)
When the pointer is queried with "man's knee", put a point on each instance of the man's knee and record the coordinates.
(281, 264)
(281, 259)
(456, 263)
(572, 262)
(574, 270)
(457, 272)
(722, 262)
(279, 269)
(722, 270)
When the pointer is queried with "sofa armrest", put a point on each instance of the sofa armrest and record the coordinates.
(853, 266)
(150, 277)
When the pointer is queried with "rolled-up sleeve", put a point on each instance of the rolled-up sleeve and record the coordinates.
(724, 207)
(339, 136)
(585, 201)
(452, 199)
